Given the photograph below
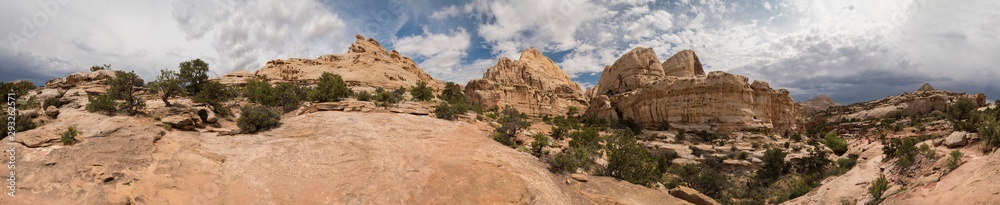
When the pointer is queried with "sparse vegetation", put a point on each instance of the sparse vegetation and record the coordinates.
(286, 95)
(19, 88)
(774, 165)
(927, 151)
(215, 94)
(193, 74)
(541, 141)
(448, 111)
(69, 137)
(583, 150)
(363, 95)
(101, 104)
(571, 113)
(420, 92)
(512, 122)
(255, 118)
(835, 143)
(705, 177)
(878, 187)
(53, 101)
(20, 124)
(330, 88)
(122, 88)
(955, 158)
(384, 98)
(629, 161)
(989, 131)
(169, 84)
(97, 68)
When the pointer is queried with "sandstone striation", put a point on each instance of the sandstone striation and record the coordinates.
(532, 84)
(366, 64)
(818, 103)
(636, 87)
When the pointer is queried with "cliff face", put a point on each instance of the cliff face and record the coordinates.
(817, 104)
(366, 64)
(635, 87)
(532, 84)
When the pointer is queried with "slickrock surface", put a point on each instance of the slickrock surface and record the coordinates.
(636, 87)
(532, 84)
(366, 64)
(920, 102)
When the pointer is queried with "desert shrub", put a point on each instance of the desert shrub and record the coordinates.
(705, 177)
(572, 111)
(541, 141)
(796, 137)
(774, 166)
(927, 151)
(101, 104)
(511, 122)
(258, 91)
(330, 88)
(420, 92)
(561, 126)
(813, 165)
(961, 110)
(680, 135)
(289, 96)
(955, 158)
(835, 143)
(629, 161)
(448, 111)
(97, 68)
(19, 88)
(878, 187)
(695, 151)
(20, 124)
(583, 150)
(214, 94)
(847, 162)
(123, 88)
(255, 118)
(452, 93)
(631, 125)
(69, 137)
(363, 95)
(169, 84)
(54, 101)
(904, 150)
(192, 75)
(989, 132)
(384, 98)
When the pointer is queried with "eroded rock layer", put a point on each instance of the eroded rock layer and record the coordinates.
(637, 87)
(366, 64)
(532, 84)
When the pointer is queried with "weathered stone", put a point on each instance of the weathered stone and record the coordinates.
(956, 139)
(636, 88)
(817, 104)
(682, 64)
(29, 113)
(532, 84)
(366, 64)
(579, 177)
(206, 114)
(52, 111)
(693, 196)
(181, 122)
(235, 78)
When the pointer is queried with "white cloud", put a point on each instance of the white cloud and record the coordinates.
(648, 25)
(439, 54)
(513, 25)
(767, 5)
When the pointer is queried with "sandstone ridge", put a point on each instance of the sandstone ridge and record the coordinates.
(678, 93)
(365, 64)
(532, 84)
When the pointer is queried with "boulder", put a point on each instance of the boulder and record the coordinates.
(46, 93)
(52, 111)
(956, 139)
(206, 114)
(579, 177)
(684, 63)
(693, 196)
(533, 84)
(181, 122)
(29, 113)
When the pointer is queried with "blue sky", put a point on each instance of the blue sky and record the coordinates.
(850, 50)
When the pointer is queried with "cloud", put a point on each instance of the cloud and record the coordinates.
(513, 25)
(440, 54)
(248, 33)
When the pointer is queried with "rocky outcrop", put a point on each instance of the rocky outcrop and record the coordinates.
(637, 87)
(235, 78)
(532, 84)
(906, 104)
(926, 87)
(366, 64)
(693, 196)
(818, 103)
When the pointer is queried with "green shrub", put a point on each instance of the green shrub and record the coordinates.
(583, 150)
(705, 178)
(19, 88)
(420, 92)
(452, 93)
(364, 95)
(774, 166)
(680, 135)
(904, 150)
(961, 110)
(289, 96)
(193, 73)
(20, 124)
(744, 156)
(384, 98)
(796, 137)
(449, 112)
(511, 123)
(955, 159)
(97, 68)
(215, 94)
(169, 84)
(835, 143)
(255, 118)
(541, 141)
(571, 113)
(629, 161)
(847, 162)
(53, 101)
(101, 104)
(813, 165)
(989, 132)
(878, 187)
(123, 88)
(69, 137)
(330, 88)
(927, 151)
(258, 91)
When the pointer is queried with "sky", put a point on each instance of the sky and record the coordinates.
(850, 50)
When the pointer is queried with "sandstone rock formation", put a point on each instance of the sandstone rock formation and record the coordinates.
(235, 78)
(637, 87)
(532, 84)
(926, 87)
(366, 64)
(818, 103)
(920, 102)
